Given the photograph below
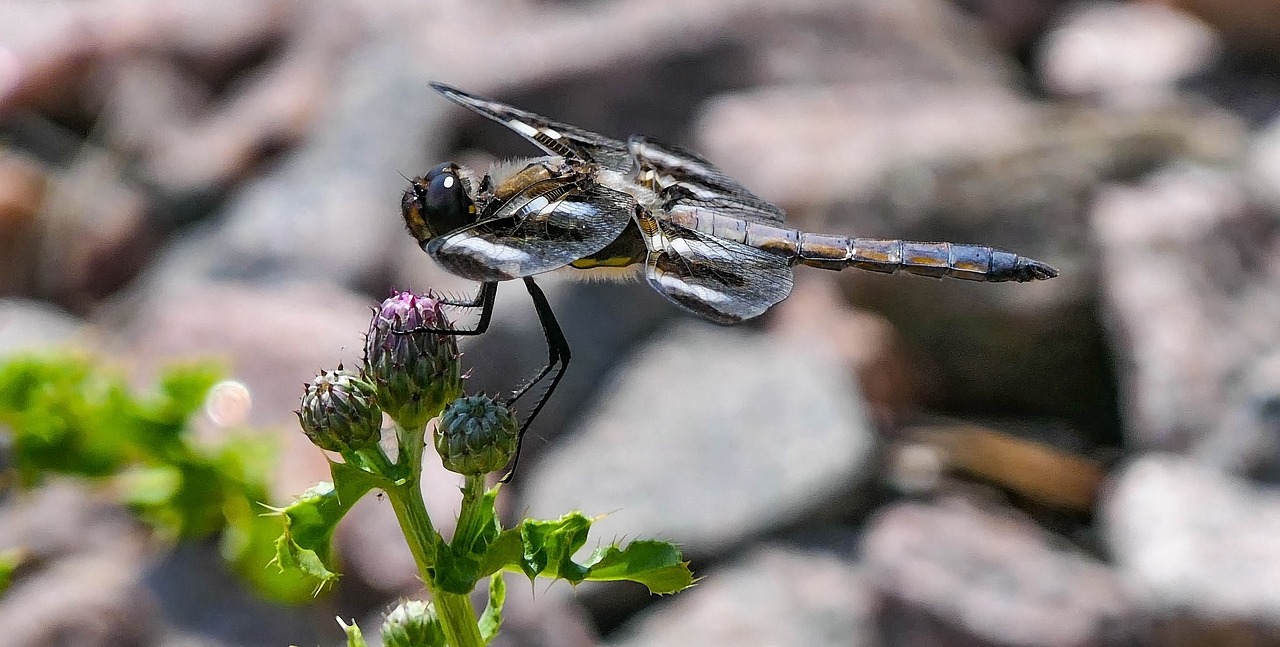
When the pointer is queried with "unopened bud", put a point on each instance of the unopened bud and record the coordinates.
(412, 624)
(415, 371)
(476, 435)
(339, 412)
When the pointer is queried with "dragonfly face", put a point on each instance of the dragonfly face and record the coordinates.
(438, 203)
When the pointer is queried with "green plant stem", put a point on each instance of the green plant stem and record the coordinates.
(472, 492)
(457, 616)
(411, 512)
(458, 619)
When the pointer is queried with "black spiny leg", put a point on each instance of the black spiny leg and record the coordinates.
(483, 300)
(557, 355)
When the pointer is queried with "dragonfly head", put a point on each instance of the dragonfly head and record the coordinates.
(438, 202)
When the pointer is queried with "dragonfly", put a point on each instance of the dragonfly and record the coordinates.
(597, 207)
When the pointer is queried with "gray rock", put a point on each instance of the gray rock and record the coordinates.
(771, 596)
(1189, 285)
(1263, 166)
(82, 579)
(33, 325)
(1196, 546)
(807, 147)
(1125, 53)
(708, 437)
(951, 573)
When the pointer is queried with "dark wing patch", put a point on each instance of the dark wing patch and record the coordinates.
(681, 177)
(545, 227)
(717, 279)
(551, 136)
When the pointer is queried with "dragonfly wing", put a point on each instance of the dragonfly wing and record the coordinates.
(551, 136)
(544, 227)
(684, 178)
(720, 280)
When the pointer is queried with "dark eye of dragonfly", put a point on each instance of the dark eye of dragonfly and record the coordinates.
(437, 203)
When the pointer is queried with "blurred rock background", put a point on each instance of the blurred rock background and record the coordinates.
(881, 460)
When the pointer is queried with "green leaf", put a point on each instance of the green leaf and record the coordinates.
(351, 482)
(354, 637)
(505, 552)
(67, 414)
(10, 560)
(655, 564)
(549, 546)
(309, 522)
(248, 544)
(491, 619)
(546, 549)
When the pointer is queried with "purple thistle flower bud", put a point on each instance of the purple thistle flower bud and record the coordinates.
(339, 412)
(416, 372)
(476, 435)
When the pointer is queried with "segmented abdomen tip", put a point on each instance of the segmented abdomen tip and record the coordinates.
(1033, 270)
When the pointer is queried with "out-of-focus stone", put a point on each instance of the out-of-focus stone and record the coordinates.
(540, 615)
(1249, 25)
(1131, 54)
(807, 147)
(32, 325)
(22, 193)
(953, 574)
(707, 437)
(1189, 280)
(1198, 550)
(82, 580)
(97, 234)
(771, 596)
(867, 41)
(1263, 166)
(1015, 24)
(864, 342)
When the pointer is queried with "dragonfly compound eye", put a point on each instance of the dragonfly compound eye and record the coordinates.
(445, 203)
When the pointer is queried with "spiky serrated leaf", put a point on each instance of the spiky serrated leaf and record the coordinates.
(491, 619)
(309, 522)
(546, 549)
(656, 564)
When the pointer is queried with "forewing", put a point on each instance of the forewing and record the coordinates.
(717, 279)
(543, 228)
(684, 178)
(552, 136)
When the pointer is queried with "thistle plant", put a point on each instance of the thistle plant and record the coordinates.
(411, 374)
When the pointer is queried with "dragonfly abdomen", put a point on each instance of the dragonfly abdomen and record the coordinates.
(969, 262)
(826, 251)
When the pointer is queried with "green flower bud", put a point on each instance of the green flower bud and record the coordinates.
(339, 412)
(415, 371)
(476, 435)
(412, 624)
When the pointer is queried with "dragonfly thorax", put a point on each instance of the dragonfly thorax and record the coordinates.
(438, 202)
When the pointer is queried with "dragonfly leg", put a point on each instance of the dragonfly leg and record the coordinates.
(557, 360)
(483, 300)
